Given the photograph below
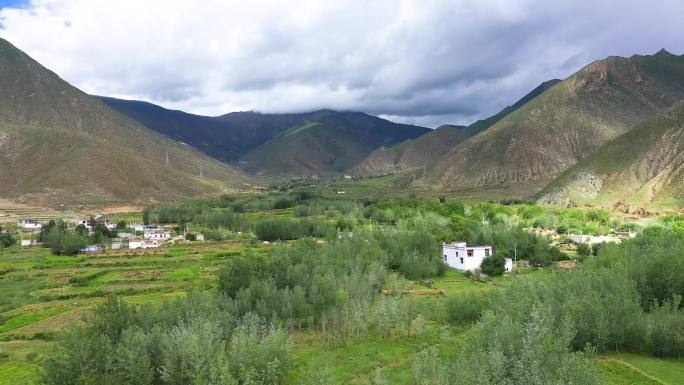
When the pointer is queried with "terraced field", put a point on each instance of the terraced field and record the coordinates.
(43, 293)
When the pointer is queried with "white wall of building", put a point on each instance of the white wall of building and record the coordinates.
(463, 257)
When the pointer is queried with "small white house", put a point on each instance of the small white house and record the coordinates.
(135, 243)
(594, 239)
(91, 249)
(152, 243)
(26, 242)
(29, 224)
(158, 234)
(199, 236)
(463, 257)
(116, 244)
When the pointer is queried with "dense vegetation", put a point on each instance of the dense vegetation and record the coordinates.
(343, 273)
(544, 330)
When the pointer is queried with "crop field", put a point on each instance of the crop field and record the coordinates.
(42, 294)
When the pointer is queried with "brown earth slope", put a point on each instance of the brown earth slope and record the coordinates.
(642, 167)
(58, 144)
(563, 125)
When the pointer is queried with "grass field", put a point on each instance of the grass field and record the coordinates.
(43, 293)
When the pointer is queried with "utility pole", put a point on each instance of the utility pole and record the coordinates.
(166, 161)
(515, 252)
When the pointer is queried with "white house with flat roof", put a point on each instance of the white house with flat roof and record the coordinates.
(29, 224)
(465, 257)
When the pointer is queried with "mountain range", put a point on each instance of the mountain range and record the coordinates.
(309, 144)
(608, 133)
(430, 147)
(59, 144)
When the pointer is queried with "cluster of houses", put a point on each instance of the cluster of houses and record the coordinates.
(140, 236)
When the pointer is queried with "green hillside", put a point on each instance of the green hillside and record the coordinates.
(412, 153)
(416, 153)
(58, 144)
(643, 166)
(328, 143)
(226, 137)
(569, 121)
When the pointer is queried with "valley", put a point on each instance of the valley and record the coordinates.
(317, 195)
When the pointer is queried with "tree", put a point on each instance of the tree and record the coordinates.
(494, 265)
(6, 240)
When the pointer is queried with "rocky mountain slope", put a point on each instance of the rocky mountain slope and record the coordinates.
(642, 166)
(412, 153)
(416, 153)
(563, 125)
(60, 144)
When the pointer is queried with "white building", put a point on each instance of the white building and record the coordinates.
(116, 244)
(91, 249)
(594, 239)
(26, 242)
(158, 234)
(29, 224)
(462, 257)
(135, 243)
(152, 243)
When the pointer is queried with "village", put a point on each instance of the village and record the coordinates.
(120, 235)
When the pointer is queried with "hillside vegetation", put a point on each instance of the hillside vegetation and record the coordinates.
(60, 144)
(641, 167)
(327, 143)
(428, 148)
(564, 124)
(226, 137)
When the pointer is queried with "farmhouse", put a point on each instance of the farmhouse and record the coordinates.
(91, 249)
(158, 234)
(463, 257)
(116, 243)
(29, 224)
(594, 239)
(135, 243)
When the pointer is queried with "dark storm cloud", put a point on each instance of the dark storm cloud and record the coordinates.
(426, 62)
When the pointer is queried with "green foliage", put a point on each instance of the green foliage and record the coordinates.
(189, 341)
(63, 241)
(6, 240)
(494, 265)
(286, 229)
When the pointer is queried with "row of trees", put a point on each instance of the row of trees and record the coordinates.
(62, 240)
(197, 340)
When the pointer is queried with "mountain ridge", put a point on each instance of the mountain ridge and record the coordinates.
(569, 121)
(426, 149)
(59, 144)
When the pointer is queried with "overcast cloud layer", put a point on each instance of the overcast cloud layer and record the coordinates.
(425, 62)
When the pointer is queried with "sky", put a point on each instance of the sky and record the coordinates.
(424, 62)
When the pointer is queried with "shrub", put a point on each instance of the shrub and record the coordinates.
(494, 265)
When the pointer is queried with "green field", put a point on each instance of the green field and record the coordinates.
(42, 294)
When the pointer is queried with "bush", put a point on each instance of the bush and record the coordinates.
(6, 240)
(286, 229)
(494, 265)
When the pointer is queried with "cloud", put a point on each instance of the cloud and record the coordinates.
(426, 61)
